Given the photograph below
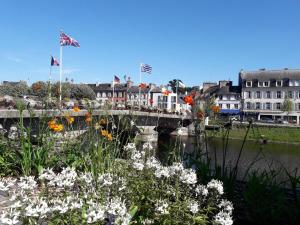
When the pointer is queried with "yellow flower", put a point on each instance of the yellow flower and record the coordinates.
(76, 109)
(104, 133)
(109, 137)
(58, 127)
(103, 122)
(70, 119)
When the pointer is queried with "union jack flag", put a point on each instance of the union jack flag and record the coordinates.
(145, 68)
(66, 40)
(116, 80)
(54, 61)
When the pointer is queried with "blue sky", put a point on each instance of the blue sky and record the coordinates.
(193, 40)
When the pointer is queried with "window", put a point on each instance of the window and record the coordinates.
(228, 106)
(278, 105)
(109, 94)
(298, 106)
(268, 105)
(248, 105)
(268, 94)
(159, 98)
(248, 83)
(247, 94)
(278, 83)
(258, 94)
(173, 98)
(236, 106)
(260, 84)
(278, 94)
(220, 97)
(165, 98)
(266, 83)
(220, 105)
(290, 94)
(257, 105)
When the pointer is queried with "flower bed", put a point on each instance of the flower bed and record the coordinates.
(138, 190)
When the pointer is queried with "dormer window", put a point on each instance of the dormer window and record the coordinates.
(248, 83)
(278, 83)
(260, 84)
(266, 83)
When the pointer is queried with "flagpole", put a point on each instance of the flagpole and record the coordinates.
(50, 81)
(140, 87)
(176, 92)
(113, 94)
(60, 74)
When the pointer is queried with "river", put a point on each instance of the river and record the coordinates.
(266, 156)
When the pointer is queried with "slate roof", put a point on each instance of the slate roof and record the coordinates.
(265, 75)
(108, 87)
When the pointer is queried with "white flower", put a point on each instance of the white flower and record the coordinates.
(94, 212)
(152, 162)
(130, 147)
(217, 185)
(179, 131)
(47, 174)
(147, 145)
(201, 190)
(132, 123)
(223, 218)
(10, 217)
(138, 165)
(6, 183)
(135, 155)
(193, 207)
(161, 207)
(105, 179)
(116, 207)
(226, 205)
(176, 168)
(147, 221)
(188, 176)
(66, 178)
(27, 183)
(86, 177)
(162, 171)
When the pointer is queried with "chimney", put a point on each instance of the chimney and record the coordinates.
(224, 83)
(207, 85)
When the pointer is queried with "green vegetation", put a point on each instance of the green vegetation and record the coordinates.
(276, 134)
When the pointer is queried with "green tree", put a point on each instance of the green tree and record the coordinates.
(20, 88)
(40, 88)
(287, 105)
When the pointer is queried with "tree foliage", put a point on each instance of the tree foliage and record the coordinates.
(287, 105)
(40, 88)
(20, 88)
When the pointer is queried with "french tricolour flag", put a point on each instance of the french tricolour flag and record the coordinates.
(54, 61)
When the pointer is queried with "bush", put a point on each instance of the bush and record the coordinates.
(21, 88)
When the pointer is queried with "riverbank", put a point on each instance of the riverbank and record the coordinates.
(289, 135)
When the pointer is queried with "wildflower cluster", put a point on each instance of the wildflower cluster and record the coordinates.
(53, 125)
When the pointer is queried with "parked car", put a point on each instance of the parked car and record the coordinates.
(281, 121)
(266, 120)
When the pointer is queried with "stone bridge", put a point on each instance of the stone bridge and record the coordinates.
(31, 118)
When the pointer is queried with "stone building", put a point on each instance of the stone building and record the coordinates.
(264, 91)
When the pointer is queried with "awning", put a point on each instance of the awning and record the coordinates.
(230, 111)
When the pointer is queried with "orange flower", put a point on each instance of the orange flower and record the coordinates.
(58, 127)
(76, 109)
(201, 115)
(88, 117)
(51, 124)
(188, 100)
(215, 108)
(166, 93)
(142, 85)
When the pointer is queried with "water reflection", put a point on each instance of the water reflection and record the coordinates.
(266, 156)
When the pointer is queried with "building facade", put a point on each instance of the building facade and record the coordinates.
(264, 92)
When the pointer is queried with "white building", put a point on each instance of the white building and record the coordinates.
(264, 91)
